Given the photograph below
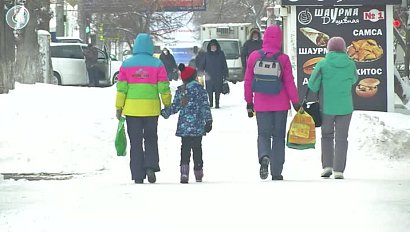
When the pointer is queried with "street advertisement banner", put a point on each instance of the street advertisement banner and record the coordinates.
(183, 5)
(364, 30)
(340, 2)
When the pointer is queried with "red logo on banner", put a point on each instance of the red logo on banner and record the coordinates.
(396, 23)
(373, 15)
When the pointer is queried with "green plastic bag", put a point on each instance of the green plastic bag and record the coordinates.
(121, 138)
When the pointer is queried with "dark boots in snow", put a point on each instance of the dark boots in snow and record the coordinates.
(217, 97)
(184, 173)
(151, 176)
(264, 169)
(280, 177)
(198, 175)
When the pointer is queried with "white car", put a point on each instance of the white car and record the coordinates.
(115, 68)
(68, 40)
(69, 65)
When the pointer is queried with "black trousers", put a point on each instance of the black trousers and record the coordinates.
(142, 132)
(194, 144)
(211, 88)
(211, 98)
(93, 75)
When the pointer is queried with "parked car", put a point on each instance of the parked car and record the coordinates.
(69, 65)
(115, 68)
(69, 40)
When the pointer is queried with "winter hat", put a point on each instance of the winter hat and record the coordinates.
(213, 42)
(336, 44)
(187, 73)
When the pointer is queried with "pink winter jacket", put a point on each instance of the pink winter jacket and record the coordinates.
(272, 42)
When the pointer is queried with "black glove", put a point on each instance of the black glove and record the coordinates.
(208, 126)
(118, 113)
(249, 108)
(296, 107)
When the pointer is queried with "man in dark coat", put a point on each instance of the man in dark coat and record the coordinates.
(216, 70)
(169, 62)
(91, 59)
(253, 43)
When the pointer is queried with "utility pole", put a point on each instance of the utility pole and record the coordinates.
(81, 20)
(406, 21)
(2, 33)
(60, 18)
(2, 48)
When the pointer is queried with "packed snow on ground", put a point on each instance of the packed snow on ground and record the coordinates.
(54, 129)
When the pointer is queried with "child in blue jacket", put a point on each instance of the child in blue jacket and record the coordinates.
(195, 120)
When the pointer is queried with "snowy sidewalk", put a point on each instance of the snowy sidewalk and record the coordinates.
(74, 132)
(108, 202)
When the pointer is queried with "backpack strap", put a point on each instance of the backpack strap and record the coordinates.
(263, 54)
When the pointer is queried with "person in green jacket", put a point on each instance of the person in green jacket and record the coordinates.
(336, 74)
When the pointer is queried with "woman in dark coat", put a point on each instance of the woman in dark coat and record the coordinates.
(253, 43)
(216, 71)
(169, 62)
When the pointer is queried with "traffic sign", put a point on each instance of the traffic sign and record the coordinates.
(17, 17)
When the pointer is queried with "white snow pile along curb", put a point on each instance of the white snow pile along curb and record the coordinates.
(377, 139)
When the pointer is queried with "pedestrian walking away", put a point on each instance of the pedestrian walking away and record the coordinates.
(195, 120)
(216, 71)
(142, 84)
(335, 74)
(271, 108)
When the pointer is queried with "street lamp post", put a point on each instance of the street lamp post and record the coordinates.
(407, 49)
(60, 18)
(273, 13)
(270, 15)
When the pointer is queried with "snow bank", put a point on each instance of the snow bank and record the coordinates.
(46, 128)
(377, 135)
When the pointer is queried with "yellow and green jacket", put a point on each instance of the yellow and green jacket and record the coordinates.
(141, 81)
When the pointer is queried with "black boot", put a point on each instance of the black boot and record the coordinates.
(264, 169)
(279, 177)
(211, 99)
(151, 176)
(217, 97)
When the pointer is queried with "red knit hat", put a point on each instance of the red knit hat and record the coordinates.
(187, 72)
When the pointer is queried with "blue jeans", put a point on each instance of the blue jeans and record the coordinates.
(271, 138)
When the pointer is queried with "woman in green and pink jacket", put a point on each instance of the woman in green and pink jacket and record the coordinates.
(142, 84)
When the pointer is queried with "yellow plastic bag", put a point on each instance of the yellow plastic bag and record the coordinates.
(302, 133)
